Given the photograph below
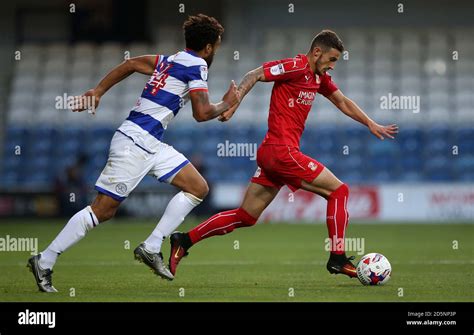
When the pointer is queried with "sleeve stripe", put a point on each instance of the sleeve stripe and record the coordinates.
(198, 89)
(298, 69)
(156, 60)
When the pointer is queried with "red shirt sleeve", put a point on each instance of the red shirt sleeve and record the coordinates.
(283, 69)
(327, 86)
(157, 60)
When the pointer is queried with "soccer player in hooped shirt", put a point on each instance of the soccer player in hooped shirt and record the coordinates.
(280, 161)
(137, 148)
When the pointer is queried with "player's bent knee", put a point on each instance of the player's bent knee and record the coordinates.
(104, 214)
(200, 190)
(340, 193)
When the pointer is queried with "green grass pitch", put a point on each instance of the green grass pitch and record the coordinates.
(273, 262)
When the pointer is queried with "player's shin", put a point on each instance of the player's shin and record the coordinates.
(337, 218)
(76, 228)
(178, 208)
(222, 223)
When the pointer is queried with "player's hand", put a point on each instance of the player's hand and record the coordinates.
(383, 131)
(88, 101)
(225, 116)
(232, 96)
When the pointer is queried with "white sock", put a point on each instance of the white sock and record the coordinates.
(178, 208)
(74, 231)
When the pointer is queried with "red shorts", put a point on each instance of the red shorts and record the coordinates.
(280, 165)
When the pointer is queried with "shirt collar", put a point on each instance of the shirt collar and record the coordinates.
(191, 52)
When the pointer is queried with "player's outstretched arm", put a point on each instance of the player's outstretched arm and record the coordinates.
(204, 110)
(90, 99)
(350, 108)
(249, 80)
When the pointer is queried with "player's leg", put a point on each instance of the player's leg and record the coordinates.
(102, 209)
(127, 165)
(171, 167)
(193, 191)
(327, 185)
(256, 199)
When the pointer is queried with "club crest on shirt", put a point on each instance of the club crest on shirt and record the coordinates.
(203, 70)
(312, 166)
(121, 188)
(277, 69)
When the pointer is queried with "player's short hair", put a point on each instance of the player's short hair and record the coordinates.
(200, 30)
(327, 39)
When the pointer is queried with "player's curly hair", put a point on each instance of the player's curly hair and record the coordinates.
(327, 39)
(200, 30)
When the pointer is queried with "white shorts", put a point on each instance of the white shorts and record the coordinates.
(128, 164)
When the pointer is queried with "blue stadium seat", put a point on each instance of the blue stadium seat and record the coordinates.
(438, 145)
(380, 176)
(438, 168)
(464, 139)
(16, 133)
(105, 133)
(326, 145)
(11, 162)
(463, 167)
(383, 148)
(327, 160)
(410, 176)
(10, 178)
(353, 177)
(410, 145)
(411, 162)
(438, 132)
(466, 176)
(71, 132)
(351, 162)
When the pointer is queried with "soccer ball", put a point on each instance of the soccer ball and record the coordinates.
(374, 269)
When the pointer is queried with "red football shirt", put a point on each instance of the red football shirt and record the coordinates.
(292, 97)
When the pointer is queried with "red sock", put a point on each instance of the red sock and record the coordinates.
(337, 218)
(222, 223)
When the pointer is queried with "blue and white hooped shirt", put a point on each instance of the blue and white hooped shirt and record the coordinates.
(165, 93)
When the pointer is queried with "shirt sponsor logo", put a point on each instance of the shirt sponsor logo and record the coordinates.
(305, 98)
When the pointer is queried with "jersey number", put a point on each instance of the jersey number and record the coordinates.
(158, 81)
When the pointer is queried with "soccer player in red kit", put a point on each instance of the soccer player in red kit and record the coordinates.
(280, 161)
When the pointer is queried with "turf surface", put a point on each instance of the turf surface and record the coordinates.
(268, 262)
